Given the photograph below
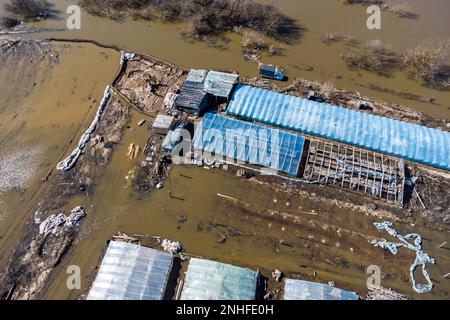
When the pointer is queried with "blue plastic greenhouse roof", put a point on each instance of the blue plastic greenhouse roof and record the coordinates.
(397, 138)
(210, 280)
(305, 290)
(251, 143)
(131, 272)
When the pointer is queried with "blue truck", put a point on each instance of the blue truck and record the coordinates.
(271, 72)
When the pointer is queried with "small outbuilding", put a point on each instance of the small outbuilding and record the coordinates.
(220, 84)
(202, 87)
(271, 72)
(163, 124)
(192, 98)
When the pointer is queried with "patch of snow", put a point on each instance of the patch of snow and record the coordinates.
(18, 168)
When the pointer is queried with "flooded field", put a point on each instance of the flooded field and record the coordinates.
(44, 109)
(332, 242)
(308, 57)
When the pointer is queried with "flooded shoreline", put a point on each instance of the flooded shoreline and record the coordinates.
(33, 85)
(308, 58)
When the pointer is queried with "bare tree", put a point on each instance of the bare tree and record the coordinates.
(30, 9)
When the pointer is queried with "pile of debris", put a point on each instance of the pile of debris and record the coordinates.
(70, 161)
(380, 293)
(57, 222)
(146, 82)
(422, 258)
(172, 247)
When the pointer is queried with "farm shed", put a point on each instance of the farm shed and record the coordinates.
(192, 98)
(220, 84)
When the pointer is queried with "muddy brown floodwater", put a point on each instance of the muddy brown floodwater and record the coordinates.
(308, 58)
(44, 105)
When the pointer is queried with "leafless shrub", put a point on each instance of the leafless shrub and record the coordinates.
(427, 63)
(374, 56)
(403, 11)
(275, 51)
(254, 40)
(332, 37)
(400, 10)
(254, 44)
(9, 22)
(30, 9)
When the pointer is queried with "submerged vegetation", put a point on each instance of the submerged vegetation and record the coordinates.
(426, 63)
(373, 56)
(401, 10)
(207, 17)
(254, 44)
(9, 22)
(332, 37)
(26, 10)
(30, 10)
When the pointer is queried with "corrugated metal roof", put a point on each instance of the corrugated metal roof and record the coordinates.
(192, 98)
(267, 67)
(252, 143)
(210, 280)
(220, 84)
(405, 140)
(163, 122)
(200, 85)
(305, 290)
(198, 76)
(131, 272)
